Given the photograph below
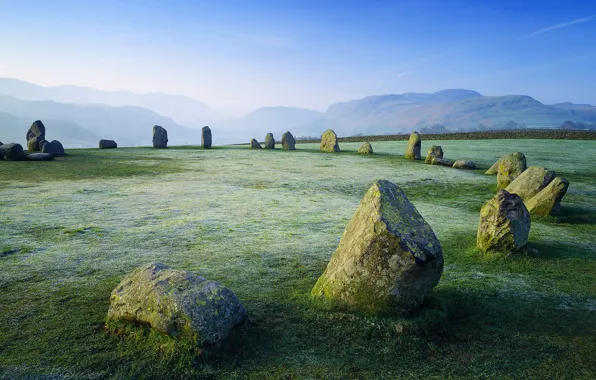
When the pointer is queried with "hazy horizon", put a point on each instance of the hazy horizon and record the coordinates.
(236, 57)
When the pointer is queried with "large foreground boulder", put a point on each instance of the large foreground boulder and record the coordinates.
(548, 200)
(160, 137)
(40, 157)
(329, 141)
(288, 142)
(414, 145)
(177, 303)
(269, 141)
(254, 144)
(464, 164)
(504, 224)
(107, 144)
(387, 260)
(206, 138)
(13, 152)
(435, 151)
(365, 148)
(509, 168)
(54, 148)
(35, 134)
(531, 182)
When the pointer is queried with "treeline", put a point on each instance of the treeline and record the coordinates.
(552, 134)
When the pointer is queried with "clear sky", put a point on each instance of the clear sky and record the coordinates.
(240, 55)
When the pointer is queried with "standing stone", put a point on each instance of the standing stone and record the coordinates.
(160, 137)
(531, 182)
(329, 141)
(414, 144)
(178, 303)
(42, 143)
(464, 164)
(387, 260)
(254, 144)
(287, 141)
(504, 224)
(14, 152)
(107, 144)
(435, 151)
(365, 148)
(40, 157)
(509, 168)
(269, 141)
(35, 134)
(54, 148)
(548, 200)
(206, 138)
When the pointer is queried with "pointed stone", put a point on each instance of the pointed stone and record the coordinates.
(387, 260)
(365, 148)
(288, 142)
(254, 144)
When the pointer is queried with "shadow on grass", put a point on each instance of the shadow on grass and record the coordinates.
(577, 215)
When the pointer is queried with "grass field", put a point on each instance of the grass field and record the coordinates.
(265, 223)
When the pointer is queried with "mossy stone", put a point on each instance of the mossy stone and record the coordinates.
(464, 164)
(504, 224)
(509, 168)
(548, 200)
(254, 144)
(435, 151)
(269, 141)
(329, 141)
(531, 182)
(288, 142)
(414, 146)
(387, 260)
(365, 148)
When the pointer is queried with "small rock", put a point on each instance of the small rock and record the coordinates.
(442, 162)
(531, 182)
(414, 145)
(464, 164)
(288, 142)
(387, 260)
(160, 137)
(54, 148)
(13, 152)
(269, 141)
(504, 224)
(329, 141)
(435, 151)
(206, 138)
(509, 168)
(177, 303)
(107, 144)
(254, 144)
(365, 148)
(548, 200)
(40, 157)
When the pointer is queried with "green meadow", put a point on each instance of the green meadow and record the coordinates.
(265, 223)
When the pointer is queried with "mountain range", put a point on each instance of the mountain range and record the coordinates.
(80, 116)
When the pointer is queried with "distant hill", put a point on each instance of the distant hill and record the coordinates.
(276, 120)
(587, 111)
(182, 109)
(457, 110)
(85, 124)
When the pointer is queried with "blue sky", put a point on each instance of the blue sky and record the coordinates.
(240, 55)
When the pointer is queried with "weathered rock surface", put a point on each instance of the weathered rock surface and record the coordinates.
(42, 143)
(531, 182)
(13, 152)
(387, 260)
(178, 303)
(365, 148)
(509, 168)
(254, 144)
(504, 224)
(548, 200)
(414, 145)
(35, 134)
(269, 141)
(54, 148)
(442, 162)
(329, 141)
(107, 144)
(435, 151)
(206, 138)
(40, 157)
(288, 142)
(464, 164)
(160, 137)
